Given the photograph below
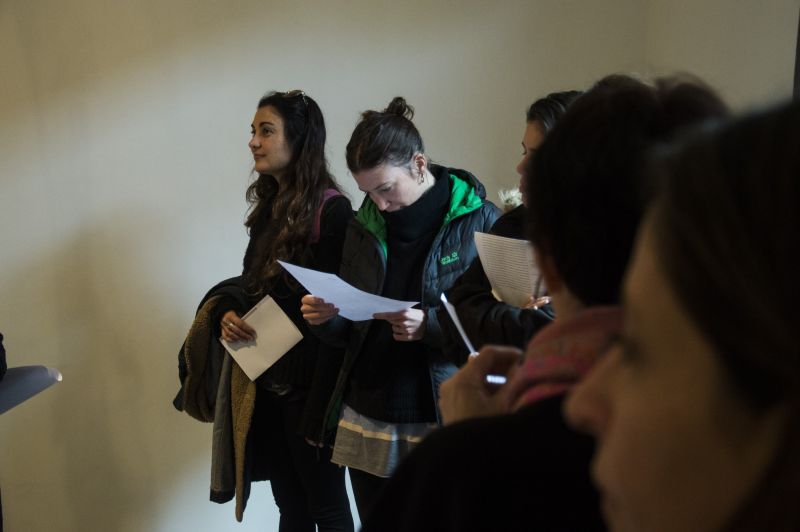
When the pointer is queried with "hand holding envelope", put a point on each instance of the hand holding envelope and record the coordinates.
(276, 334)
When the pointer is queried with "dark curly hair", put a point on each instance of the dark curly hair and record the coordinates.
(294, 205)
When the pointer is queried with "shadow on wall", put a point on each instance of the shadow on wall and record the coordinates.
(103, 447)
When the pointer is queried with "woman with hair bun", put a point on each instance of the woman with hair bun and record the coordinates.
(297, 214)
(506, 459)
(411, 239)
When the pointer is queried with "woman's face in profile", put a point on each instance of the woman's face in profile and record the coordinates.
(677, 449)
(271, 151)
(531, 139)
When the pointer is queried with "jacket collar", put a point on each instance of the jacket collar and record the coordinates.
(466, 195)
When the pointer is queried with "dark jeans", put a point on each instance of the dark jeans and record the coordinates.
(307, 487)
(366, 488)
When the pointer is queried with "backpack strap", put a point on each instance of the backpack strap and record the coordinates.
(315, 229)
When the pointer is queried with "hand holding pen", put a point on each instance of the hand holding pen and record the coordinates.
(478, 389)
(470, 393)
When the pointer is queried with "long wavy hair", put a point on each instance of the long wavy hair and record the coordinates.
(280, 218)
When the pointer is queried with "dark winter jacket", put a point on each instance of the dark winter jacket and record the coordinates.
(214, 388)
(309, 368)
(364, 266)
(485, 319)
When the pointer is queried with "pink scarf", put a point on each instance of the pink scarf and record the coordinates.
(561, 354)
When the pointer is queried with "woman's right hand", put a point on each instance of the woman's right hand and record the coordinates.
(536, 303)
(316, 311)
(235, 329)
(469, 394)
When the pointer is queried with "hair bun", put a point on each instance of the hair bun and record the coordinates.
(399, 107)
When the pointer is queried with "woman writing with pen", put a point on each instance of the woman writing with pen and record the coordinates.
(411, 238)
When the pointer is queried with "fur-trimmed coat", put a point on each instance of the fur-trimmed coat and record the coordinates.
(215, 389)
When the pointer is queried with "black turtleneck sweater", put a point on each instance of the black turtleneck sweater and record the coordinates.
(390, 380)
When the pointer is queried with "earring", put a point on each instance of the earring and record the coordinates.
(421, 178)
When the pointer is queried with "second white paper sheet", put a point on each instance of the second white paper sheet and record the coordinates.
(275, 335)
(509, 266)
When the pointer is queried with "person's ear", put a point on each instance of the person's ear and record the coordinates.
(419, 163)
(547, 267)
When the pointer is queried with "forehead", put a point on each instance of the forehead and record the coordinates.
(534, 134)
(380, 175)
(267, 114)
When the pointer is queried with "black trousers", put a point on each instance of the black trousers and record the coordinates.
(366, 488)
(307, 487)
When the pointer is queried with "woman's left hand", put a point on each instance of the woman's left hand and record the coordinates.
(407, 325)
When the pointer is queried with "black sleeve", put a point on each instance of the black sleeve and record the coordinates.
(328, 258)
(485, 319)
(440, 330)
(333, 231)
(336, 215)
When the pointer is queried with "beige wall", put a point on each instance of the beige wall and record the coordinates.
(744, 48)
(123, 163)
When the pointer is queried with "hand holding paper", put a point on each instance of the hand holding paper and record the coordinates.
(235, 329)
(276, 334)
(316, 310)
(509, 266)
(407, 325)
(353, 304)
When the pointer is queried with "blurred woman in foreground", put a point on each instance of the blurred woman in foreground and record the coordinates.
(696, 411)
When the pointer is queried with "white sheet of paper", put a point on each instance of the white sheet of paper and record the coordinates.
(23, 382)
(353, 304)
(509, 266)
(275, 335)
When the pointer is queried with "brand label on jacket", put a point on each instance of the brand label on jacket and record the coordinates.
(453, 257)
